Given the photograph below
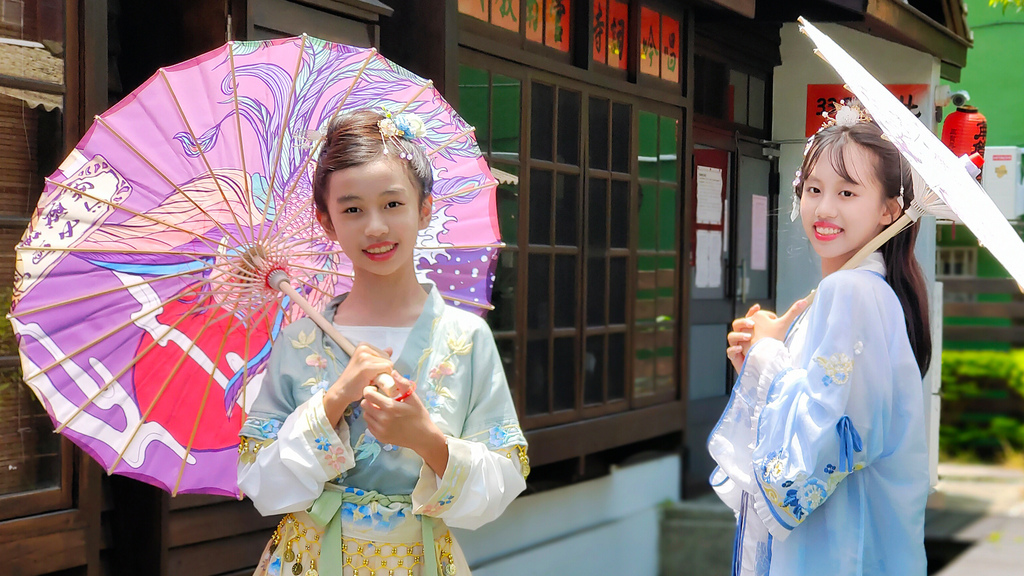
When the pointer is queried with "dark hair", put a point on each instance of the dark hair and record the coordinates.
(354, 140)
(902, 271)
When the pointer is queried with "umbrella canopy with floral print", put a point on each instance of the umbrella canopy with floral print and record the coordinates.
(141, 301)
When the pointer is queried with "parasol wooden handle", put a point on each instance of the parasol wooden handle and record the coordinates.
(279, 279)
(874, 244)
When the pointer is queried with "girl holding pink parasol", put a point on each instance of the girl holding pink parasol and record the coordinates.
(369, 482)
(822, 450)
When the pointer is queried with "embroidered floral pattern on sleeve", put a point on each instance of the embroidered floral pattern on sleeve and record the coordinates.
(436, 395)
(803, 494)
(316, 360)
(452, 483)
(268, 427)
(332, 455)
(837, 369)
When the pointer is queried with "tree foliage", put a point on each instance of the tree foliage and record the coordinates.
(1019, 4)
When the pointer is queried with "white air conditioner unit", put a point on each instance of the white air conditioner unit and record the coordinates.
(1003, 179)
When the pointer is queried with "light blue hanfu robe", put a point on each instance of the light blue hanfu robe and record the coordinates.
(822, 449)
(353, 502)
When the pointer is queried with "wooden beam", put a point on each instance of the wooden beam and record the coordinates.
(980, 285)
(984, 309)
(567, 441)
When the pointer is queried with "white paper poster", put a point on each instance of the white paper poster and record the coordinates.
(708, 259)
(709, 195)
(759, 232)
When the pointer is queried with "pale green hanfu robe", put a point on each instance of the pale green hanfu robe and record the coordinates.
(354, 505)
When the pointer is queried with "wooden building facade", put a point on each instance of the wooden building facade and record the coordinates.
(638, 205)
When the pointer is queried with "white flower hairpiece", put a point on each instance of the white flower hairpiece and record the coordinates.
(400, 127)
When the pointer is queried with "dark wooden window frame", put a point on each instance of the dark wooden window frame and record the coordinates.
(588, 429)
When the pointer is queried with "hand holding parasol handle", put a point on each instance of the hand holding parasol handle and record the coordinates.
(279, 279)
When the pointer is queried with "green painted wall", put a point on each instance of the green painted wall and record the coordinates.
(994, 75)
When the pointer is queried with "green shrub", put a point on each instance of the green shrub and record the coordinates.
(982, 403)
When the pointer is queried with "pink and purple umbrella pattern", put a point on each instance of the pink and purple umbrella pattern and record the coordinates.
(140, 302)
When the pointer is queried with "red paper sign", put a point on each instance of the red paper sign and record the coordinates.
(824, 97)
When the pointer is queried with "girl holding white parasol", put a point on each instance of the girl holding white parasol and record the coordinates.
(822, 450)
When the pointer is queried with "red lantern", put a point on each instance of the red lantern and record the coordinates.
(964, 131)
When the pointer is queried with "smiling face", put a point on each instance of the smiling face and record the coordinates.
(374, 212)
(842, 214)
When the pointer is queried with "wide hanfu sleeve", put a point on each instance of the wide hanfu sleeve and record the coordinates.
(287, 452)
(487, 463)
(814, 419)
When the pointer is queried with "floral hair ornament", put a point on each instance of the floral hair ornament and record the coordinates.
(846, 113)
(399, 127)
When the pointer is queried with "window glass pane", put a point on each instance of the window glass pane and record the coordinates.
(503, 295)
(667, 219)
(647, 234)
(507, 97)
(566, 210)
(710, 81)
(619, 231)
(668, 149)
(508, 207)
(538, 309)
(756, 119)
(620, 145)
(648, 153)
(474, 8)
(540, 207)
(597, 212)
(643, 361)
(563, 380)
(670, 48)
(31, 127)
(29, 450)
(505, 13)
(534, 21)
(618, 34)
(543, 120)
(650, 42)
(556, 24)
(37, 21)
(565, 291)
(616, 366)
(595, 291)
(737, 97)
(599, 41)
(537, 377)
(598, 133)
(474, 103)
(617, 291)
(568, 127)
(593, 364)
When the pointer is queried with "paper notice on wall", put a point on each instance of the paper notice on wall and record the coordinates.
(708, 261)
(759, 232)
(709, 195)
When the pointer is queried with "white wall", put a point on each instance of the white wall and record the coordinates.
(798, 267)
(605, 526)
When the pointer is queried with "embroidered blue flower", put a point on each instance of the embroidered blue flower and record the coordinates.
(813, 494)
(774, 466)
(830, 468)
(793, 501)
(499, 436)
(433, 399)
(321, 385)
(323, 444)
(268, 427)
(373, 516)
